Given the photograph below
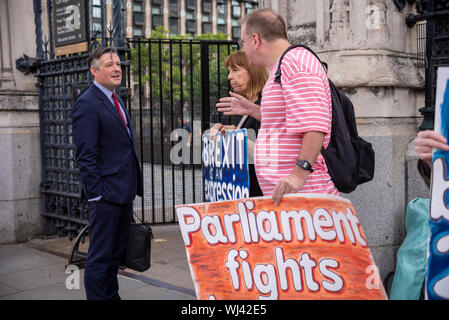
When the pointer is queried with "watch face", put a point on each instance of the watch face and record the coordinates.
(304, 165)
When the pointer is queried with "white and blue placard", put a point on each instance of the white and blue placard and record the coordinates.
(437, 275)
(225, 165)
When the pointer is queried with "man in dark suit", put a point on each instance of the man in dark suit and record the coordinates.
(110, 172)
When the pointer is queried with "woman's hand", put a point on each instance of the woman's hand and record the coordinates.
(238, 105)
(427, 140)
(218, 127)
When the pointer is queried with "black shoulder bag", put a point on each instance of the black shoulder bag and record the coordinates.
(138, 250)
(349, 158)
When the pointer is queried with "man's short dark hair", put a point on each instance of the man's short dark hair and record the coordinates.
(96, 55)
(266, 23)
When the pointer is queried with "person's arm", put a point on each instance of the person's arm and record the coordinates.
(427, 140)
(238, 105)
(311, 148)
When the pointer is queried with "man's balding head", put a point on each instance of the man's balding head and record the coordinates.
(266, 23)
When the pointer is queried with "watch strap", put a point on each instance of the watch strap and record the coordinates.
(304, 164)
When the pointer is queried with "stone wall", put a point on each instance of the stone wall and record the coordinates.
(20, 160)
(371, 55)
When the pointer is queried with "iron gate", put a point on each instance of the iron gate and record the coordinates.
(436, 15)
(170, 92)
(167, 85)
(62, 206)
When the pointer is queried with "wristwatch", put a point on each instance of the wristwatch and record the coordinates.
(304, 164)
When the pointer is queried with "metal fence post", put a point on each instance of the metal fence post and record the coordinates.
(37, 7)
(117, 8)
(205, 92)
(50, 27)
(428, 111)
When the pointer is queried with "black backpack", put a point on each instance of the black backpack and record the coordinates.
(349, 158)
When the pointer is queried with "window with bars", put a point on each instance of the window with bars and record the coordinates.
(207, 6)
(173, 21)
(235, 33)
(221, 16)
(250, 7)
(207, 27)
(157, 18)
(421, 44)
(236, 14)
(138, 5)
(173, 6)
(96, 12)
(206, 19)
(138, 31)
(190, 8)
(173, 25)
(236, 10)
(96, 15)
(138, 14)
(190, 4)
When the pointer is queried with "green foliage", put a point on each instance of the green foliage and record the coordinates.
(170, 66)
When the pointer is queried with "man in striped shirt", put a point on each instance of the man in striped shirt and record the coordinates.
(296, 116)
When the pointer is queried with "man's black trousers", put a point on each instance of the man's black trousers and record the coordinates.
(108, 237)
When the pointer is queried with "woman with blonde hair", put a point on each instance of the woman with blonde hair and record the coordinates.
(248, 81)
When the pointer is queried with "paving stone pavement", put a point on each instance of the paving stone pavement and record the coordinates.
(36, 270)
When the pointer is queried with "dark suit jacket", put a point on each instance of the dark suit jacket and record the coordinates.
(105, 152)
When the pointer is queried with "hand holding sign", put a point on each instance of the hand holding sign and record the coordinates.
(290, 184)
(312, 144)
(219, 127)
(427, 140)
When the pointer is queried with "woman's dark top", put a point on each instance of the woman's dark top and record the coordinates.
(251, 123)
(425, 171)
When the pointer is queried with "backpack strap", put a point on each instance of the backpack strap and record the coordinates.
(277, 76)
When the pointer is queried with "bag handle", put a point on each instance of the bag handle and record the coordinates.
(138, 218)
(143, 223)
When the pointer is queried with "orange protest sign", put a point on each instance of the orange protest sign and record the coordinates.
(309, 247)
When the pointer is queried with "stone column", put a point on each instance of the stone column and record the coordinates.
(129, 19)
(371, 55)
(20, 160)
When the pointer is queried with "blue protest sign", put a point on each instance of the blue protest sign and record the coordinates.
(225, 165)
(437, 277)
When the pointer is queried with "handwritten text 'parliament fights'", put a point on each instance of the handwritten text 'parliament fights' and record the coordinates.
(263, 226)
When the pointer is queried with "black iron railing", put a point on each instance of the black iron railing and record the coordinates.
(436, 15)
(167, 85)
(174, 86)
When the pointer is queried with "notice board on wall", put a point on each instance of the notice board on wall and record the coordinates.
(69, 26)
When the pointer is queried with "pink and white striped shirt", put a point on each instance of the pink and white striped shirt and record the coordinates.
(302, 104)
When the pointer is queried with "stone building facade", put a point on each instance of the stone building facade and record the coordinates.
(371, 54)
(20, 155)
